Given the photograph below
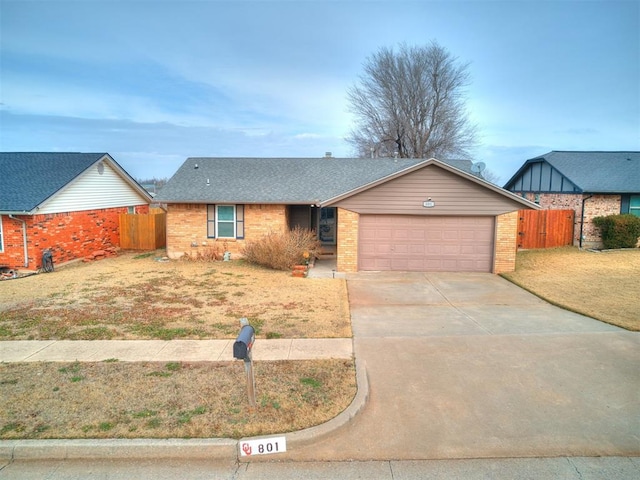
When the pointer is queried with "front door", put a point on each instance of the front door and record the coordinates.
(327, 225)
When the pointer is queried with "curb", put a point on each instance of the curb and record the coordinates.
(214, 448)
(310, 435)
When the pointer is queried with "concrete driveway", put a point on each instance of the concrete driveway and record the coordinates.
(471, 366)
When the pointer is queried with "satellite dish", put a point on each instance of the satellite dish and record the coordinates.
(478, 167)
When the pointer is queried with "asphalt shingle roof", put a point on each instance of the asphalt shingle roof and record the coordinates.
(29, 178)
(596, 172)
(278, 180)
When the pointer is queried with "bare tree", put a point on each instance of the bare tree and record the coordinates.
(493, 177)
(411, 104)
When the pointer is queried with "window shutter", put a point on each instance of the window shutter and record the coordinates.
(240, 221)
(211, 221)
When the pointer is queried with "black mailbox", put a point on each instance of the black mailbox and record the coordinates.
(244, 342)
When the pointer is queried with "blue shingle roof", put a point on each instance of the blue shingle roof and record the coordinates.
(278, 180)
(594, 172)
(27, 179)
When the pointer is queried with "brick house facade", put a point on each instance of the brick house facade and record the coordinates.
(592, 184)
(68, 235)
(68, 203)
(213, 206)
(187, 228)
(594, 206)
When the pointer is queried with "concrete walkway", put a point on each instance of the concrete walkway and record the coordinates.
(171, 350)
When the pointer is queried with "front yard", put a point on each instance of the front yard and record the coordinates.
(604, 285)
(138, 297)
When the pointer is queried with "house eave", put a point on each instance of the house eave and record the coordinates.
(444, 166)
(237, 201)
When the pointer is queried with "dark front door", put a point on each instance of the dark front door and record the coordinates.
(327, 225)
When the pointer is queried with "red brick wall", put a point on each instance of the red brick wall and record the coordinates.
(596, 206)
(69, 236)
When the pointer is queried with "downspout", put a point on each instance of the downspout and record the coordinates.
(582, 217)
(24, 239)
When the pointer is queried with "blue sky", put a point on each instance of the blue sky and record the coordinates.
(153, 82)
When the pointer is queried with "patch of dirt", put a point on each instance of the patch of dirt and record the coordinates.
(136, 296)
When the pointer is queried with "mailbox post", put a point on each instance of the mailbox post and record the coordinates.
(242, 351)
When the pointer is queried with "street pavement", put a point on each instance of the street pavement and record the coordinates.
(460, 376)
(574, 468)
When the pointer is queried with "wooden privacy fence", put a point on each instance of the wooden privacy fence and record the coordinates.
(545, 228)
(143, 232)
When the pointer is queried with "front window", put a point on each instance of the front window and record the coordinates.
(225, 221)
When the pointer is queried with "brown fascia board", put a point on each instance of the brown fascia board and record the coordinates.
(445, 166)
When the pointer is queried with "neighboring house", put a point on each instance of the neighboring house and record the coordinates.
(375, 214)
(68, 203)
(590, 183)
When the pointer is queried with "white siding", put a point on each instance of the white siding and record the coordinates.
(92, 191)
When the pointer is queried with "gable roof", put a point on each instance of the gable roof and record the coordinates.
(28, 179)
(273, 180)
(302, 181)
(592, 172)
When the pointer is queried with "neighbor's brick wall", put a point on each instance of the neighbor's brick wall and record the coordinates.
(596, 206)
(506, 243)
(347, 242)
(69, 236)
(187, 226)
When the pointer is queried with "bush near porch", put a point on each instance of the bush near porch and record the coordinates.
(602, 285)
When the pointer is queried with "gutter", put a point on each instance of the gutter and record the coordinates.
(584, 200)
(24, 238)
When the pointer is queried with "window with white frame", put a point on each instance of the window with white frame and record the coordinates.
(225, 221)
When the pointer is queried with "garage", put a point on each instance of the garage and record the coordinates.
(426, 243)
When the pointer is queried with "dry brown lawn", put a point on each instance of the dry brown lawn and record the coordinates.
(135, 296)
(604, 285)
(169, 400)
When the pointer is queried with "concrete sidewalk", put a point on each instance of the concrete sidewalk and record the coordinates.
(171, 350)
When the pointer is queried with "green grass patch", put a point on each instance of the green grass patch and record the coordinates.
(173, 366)
(144, 255)
(186, 416)
(93, 333)
(105, 426)
(310, 382)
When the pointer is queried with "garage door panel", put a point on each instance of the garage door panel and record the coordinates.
(423, 243)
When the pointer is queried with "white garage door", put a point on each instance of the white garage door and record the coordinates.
(426, 243)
